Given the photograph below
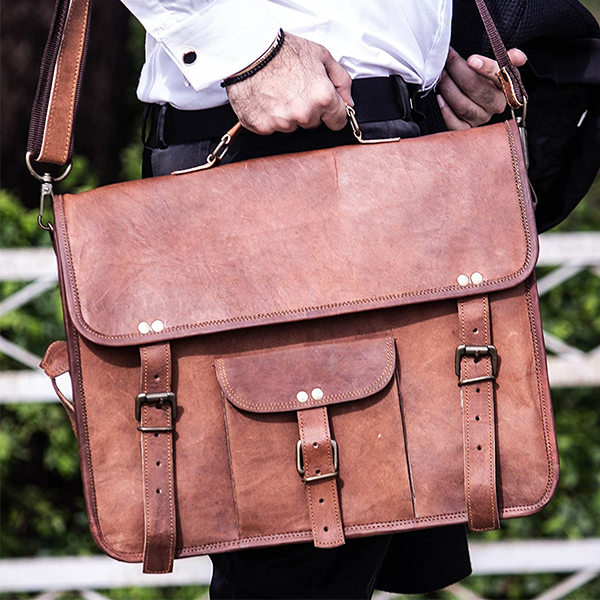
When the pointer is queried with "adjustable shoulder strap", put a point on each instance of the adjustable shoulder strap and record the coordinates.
(55, 104)
(51, 126)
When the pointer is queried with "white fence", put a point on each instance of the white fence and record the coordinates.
(580, 558)
(569, 367)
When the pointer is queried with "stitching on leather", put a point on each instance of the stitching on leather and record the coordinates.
(169, 438)
(170, 450)
(245, 318)
(74, 86)
(332, 482)
(491, 416)
(168, 363)
(53, 105)
(50, 368)
(465, 409)
(235, 503)
(338, 521)
(371, 388)
(147, 531)
(306, 470)
(519, 188)
(73, 90)
(549, 454)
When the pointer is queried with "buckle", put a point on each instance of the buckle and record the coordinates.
(476, 352)
(158, 398)
(300, 463)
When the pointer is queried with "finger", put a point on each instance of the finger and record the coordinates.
(484, 66)
(463, 105)
(339, 77)
(453, 123)
(307, 119)
(517, 57)
(488, 68)
(334, 115)
(481, 89)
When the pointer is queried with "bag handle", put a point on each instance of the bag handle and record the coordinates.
(55, 104)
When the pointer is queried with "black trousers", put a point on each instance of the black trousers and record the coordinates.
(411, 562)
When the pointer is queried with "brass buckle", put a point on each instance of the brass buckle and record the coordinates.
(476, 352)
(300, 463)
(158, 398)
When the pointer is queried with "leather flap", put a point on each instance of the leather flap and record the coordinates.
(307, 376)
(298, 236)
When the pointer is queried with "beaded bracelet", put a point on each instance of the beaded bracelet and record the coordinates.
(258, 64)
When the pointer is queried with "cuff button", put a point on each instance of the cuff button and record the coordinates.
(190, 57)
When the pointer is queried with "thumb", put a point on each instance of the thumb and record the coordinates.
(339, 77)
(517, 57)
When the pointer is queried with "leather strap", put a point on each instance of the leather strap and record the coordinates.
(158, 460)
(55, 104)
(509, 76)
(475, 371)
(320, 478)
(54, 364)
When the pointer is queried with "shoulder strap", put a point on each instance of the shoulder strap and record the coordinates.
(55, 104)
(51, 126)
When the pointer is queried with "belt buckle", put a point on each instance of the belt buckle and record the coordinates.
(476, 352)
(300, 464)
(158, 398)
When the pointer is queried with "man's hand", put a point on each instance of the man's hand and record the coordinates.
(469, 92)
(301, 87)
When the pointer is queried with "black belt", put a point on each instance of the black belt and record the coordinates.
(375, 99)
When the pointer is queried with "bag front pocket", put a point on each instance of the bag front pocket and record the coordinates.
(310, 427)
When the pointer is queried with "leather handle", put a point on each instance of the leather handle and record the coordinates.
(55, 104)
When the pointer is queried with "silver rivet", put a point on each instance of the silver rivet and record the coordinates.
(317, 394)
(463, 280)
(302, 396)
(477, 278)
(144, 327)
(157, 326)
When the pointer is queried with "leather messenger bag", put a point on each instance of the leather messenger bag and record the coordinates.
(314, 346)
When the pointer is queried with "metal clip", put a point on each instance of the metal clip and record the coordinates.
(358, 133)
(476, 352)
(300, 464)
(46, 189)
(508, 87)
(216, 156)
(158, 398)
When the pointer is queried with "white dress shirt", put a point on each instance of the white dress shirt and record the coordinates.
(369, 38)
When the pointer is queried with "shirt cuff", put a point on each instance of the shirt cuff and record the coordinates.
(220, 41)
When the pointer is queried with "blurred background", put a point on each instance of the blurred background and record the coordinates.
(42, 511)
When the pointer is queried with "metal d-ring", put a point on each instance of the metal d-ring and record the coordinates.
(44, 178)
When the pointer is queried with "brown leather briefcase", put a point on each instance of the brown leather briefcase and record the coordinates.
(314, 346)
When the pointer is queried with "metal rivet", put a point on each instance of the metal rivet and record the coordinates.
(477, 278)
(317, 394)
(157, 326)
(144, 327)
(302, 396)
(463, 280)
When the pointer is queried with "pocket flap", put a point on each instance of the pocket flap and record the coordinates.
(299, 377)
